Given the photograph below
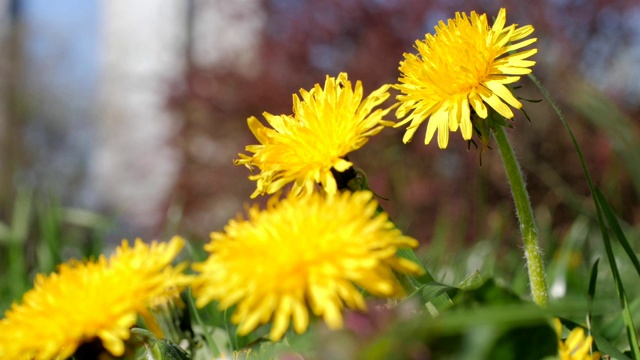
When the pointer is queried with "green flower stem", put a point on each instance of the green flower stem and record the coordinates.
(532, 252)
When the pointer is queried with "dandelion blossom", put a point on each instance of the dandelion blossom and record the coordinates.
(302, 255)
(303, 148)
(577, 346)
(88, 302)
(464, 66)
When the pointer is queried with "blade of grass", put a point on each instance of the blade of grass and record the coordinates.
(624, 303)
(502, 315)
(49, 249)
(633, 341)
(21, 215)
(560, 268)
(545, 93)
(591, 292)
(622, 133)
(17, 270)
(198, 320)
(96, 224)
(615, 227)
(604, 345)
(5, 233)
(608, 348)
(5, 297)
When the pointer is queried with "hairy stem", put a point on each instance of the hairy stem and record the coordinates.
(532, 252)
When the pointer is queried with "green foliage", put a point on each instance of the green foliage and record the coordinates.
(484, 321)
(604, 211)
(601, 205)
(40, 233)
(472, 303)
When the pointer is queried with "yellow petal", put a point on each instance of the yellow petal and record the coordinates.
(500, 21)
(342, 165)
(494, 101)
(478, 105)
(504, 93)
(443, 128)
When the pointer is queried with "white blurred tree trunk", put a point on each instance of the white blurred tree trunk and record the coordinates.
(146, 45)
(142, 53)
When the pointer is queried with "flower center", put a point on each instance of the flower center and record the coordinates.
(457, 57)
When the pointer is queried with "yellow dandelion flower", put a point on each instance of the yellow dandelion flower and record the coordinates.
(89, 301)
(303, 148)
(300, 255)
(152, 260)
(577, 346)
(464, 66)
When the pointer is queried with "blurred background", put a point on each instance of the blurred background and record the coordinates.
(125, 116)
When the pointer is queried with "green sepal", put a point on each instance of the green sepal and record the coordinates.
(166, 350)
(158, 349)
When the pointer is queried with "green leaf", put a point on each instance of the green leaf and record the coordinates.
(591, 293)
(538, 340)
(489, 331)
(489, 293)
(409, 254)
(197, 320)
(607, 348)
(16, 256)
(601, 206)
(614, 225)
(49, 216)
(294, 346)
(21, 216)
(431, 291)
(474, 281)
(5, 233)
(439, 302)
(165, 350)
(157, 349)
